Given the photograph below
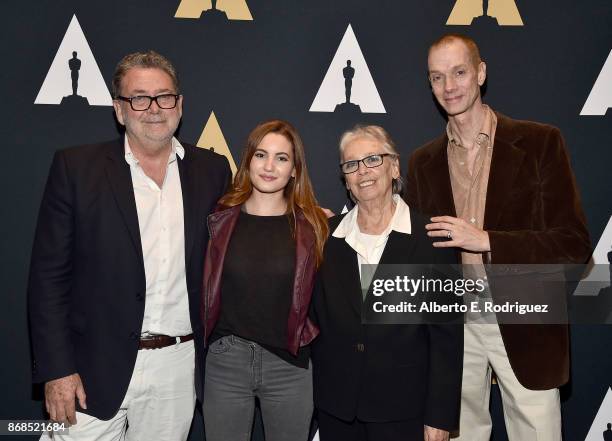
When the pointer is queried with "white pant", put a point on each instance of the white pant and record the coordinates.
(530, 415)
(158, 405)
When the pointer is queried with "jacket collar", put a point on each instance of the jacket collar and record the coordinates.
(177, 150)
(400, 221)
(120, 179)
(398, 249)
(349, 229)
(221, 225)
(437, 175)
(505, 163)
(226, 217)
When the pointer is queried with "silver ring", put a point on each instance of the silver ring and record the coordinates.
(449, 235)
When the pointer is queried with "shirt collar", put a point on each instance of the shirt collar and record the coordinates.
(177, 150)
(485, 131)
(400, 221)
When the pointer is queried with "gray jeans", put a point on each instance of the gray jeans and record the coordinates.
(237, 372)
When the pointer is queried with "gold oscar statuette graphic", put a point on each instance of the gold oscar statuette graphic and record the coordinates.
(212, 138)
(229, 9)
(504, 11)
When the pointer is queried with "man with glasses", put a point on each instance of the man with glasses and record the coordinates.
(501, 191)
(114, 290)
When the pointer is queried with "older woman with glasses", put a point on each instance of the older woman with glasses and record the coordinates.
(379, 382)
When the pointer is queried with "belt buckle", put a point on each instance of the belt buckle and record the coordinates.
(178, 341)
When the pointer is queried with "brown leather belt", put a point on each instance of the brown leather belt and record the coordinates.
(162, 341)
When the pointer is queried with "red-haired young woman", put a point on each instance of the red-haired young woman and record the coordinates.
(266, 241)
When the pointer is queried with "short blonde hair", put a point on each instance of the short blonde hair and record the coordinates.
(380, 135)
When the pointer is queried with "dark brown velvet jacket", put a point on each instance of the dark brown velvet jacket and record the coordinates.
(533, 215)
(300, 330)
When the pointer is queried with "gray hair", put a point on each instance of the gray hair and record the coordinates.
(378, 134)
(149, 60)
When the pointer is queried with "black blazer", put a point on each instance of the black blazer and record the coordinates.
(86, 292)
(381, 373)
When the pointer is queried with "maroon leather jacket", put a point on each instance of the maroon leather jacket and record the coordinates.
(300, 330)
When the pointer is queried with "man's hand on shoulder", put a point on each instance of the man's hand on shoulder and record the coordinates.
(60, 398)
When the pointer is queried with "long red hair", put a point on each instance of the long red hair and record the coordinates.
(298, 192)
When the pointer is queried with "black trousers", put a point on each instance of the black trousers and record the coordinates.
(335, 429)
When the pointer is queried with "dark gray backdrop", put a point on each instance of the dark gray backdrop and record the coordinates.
(249, 71)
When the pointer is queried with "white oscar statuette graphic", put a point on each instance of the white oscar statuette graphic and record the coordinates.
(597, 274)
(600, 98)
(348, 85)
(601, 429)
(74, 76)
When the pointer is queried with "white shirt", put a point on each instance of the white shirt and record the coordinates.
(162, 234)
(369, 247)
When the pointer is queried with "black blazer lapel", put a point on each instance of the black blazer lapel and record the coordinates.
(347, 276)
(190, 208)
(399, 249)
(120, 179)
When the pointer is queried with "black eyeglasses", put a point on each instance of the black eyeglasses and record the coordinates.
(143, 102)
(371, 161)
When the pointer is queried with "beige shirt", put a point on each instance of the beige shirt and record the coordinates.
(162, 234)
(470, 189)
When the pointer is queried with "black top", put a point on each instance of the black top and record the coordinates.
(257, 285)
